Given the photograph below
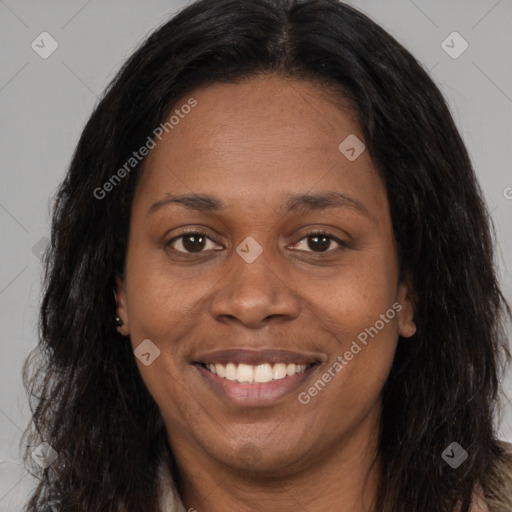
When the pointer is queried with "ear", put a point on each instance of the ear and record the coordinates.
(406, 297)
(121, 309)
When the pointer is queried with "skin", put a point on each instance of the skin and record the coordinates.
(250, 144)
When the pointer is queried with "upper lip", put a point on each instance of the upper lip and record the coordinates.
(254, 357)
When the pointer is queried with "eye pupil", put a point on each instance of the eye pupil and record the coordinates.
(323, 245)
(195, 242)
(198, 244)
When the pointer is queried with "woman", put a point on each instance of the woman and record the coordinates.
(274, 205)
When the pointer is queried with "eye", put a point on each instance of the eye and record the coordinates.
(320, 241)
(191, 242)
(196, 242)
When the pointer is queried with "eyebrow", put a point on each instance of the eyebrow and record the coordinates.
(301, 203)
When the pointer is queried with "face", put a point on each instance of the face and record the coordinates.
(272, 289)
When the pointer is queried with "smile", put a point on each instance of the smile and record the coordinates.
(256, 374)
(256, 378)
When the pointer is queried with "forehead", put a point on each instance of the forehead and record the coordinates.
(260, 138)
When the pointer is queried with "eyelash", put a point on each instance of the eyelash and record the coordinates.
(310, 233)
(321, 232)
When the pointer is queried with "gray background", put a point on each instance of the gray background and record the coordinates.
(45, 103)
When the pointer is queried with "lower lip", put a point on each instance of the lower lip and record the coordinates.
(255, 394)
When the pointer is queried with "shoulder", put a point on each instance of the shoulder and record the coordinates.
(168, 496)
(479, 504)
(495, 493)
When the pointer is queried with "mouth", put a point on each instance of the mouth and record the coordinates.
(256, 378)
(256, 374)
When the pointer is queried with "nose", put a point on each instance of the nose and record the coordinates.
(254, 293)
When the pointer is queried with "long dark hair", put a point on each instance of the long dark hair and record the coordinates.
(87, 397)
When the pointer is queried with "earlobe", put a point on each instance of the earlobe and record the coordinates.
(406, 297)
(121, 319)
(407, 330)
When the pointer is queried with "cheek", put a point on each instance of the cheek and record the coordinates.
(354, 297)
(363, 333)
(356, 390)
(161, 299)
(358, 309)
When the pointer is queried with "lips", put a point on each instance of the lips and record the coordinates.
(256, 357)
(256, 377)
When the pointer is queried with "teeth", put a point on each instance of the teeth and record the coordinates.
(231, 371)
(253, 374)
(263, 373)
(244, 373)
(219, 369)
(279, 371)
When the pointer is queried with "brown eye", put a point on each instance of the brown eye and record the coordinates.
(320, 241)
(193, 242)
